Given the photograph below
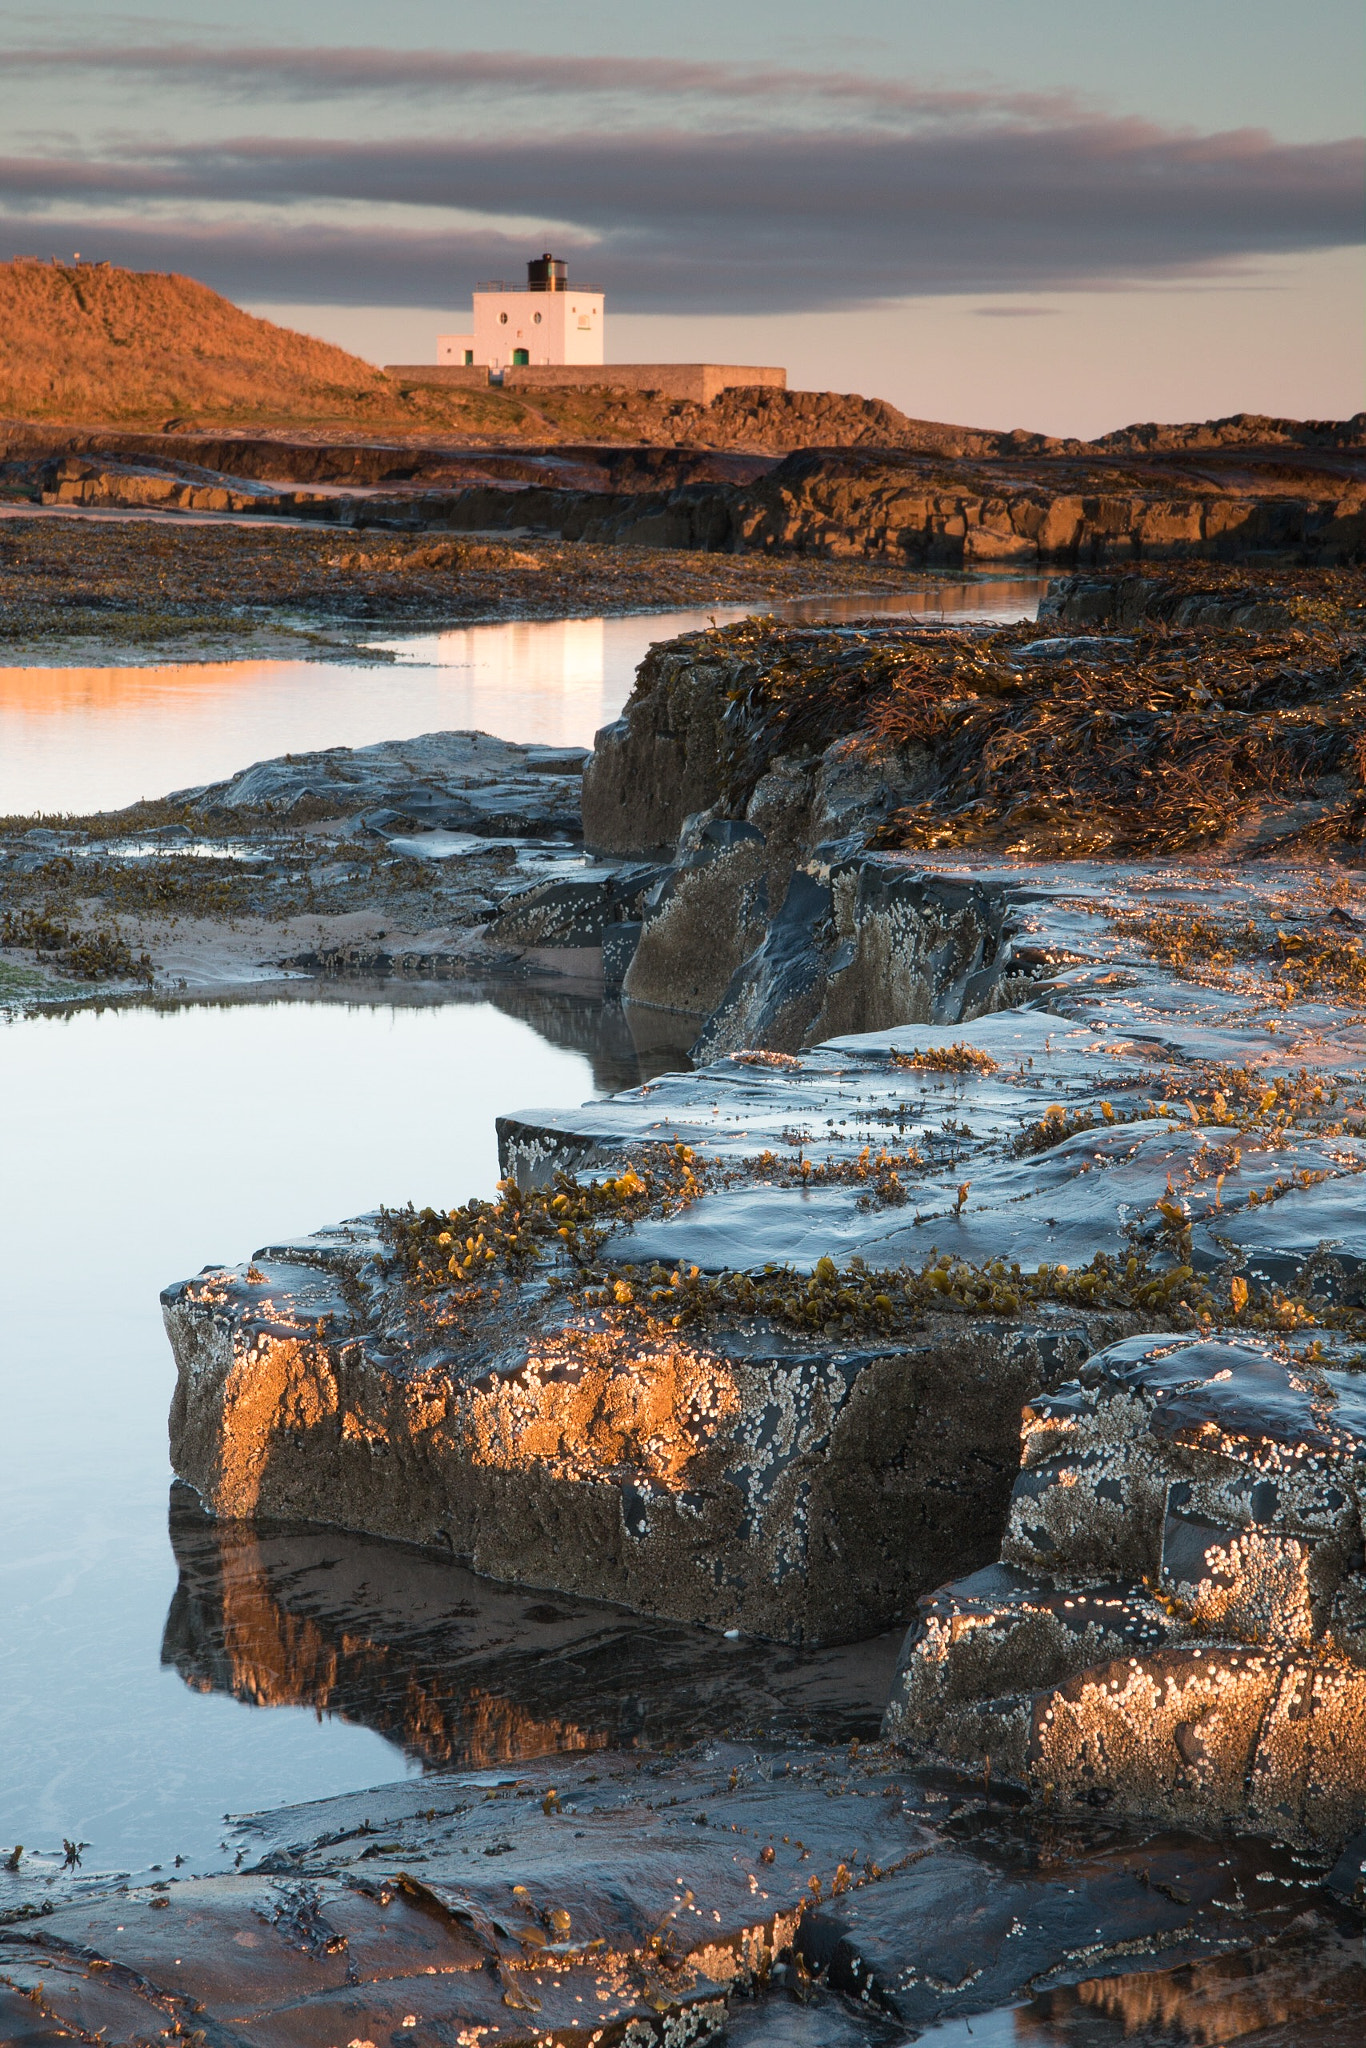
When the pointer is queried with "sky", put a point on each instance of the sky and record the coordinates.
(1065, 215)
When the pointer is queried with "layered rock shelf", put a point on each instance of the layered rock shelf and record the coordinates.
(1004, 1250)
(777, 473)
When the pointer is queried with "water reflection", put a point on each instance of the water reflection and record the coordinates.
(137, 1143)
(1309, 1994)
(88, 739)
(623, 1047)
(461, 1670)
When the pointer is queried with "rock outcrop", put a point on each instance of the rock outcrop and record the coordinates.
(1175, 1626)
(608, 1424)
(440, 781)
(810, 474)
(1079, 1137)
(1065, 508)
(788, 1471)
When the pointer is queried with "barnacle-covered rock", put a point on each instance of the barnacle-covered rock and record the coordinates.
(1211, 1491)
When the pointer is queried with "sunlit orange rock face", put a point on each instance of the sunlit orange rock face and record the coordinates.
(743, 1480)
(589, 1405)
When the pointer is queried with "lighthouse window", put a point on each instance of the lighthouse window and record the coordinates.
(537, 318)
(503, 318)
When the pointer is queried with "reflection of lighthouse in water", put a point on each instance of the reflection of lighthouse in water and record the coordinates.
(546, 321)
(549, 674)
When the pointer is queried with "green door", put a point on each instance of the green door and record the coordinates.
(521, 358)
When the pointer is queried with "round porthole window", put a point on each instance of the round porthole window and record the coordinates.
(537, 318)
(503, 318)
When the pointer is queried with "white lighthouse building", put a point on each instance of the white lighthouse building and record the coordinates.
(549, 321)
(548, 335)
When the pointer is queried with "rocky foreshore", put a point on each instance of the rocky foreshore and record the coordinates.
(749, 1346)
(803, 1899)
(998, 1273)
(767, 473)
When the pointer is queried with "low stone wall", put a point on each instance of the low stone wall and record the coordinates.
(696, 383)
(699, 383)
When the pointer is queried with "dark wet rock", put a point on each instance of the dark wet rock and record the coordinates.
(579, 910)
(1253, 600)
(1313, 1237)
(652, 768)
(873, 947)
(446, 781)
(832, 739)
(700, 922)
(794, 1898)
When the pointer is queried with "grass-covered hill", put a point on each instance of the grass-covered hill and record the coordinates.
(87, 342)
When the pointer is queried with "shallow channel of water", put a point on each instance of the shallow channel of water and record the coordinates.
(86, 739)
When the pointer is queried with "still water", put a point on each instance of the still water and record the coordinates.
(87, 739)
(138, 1144)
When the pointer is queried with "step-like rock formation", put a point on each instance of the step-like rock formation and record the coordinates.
(939, 1218)
(1178, 1622)
(748, 1346)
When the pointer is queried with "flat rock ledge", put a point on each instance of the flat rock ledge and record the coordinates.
(816, 1898)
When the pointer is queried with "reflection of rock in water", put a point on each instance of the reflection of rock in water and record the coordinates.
(624, 1046)
(1311, 1990)
(459, 1669)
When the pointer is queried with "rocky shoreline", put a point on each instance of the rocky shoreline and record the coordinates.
(998, 1273)
(765, 474)
(749, 1346)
